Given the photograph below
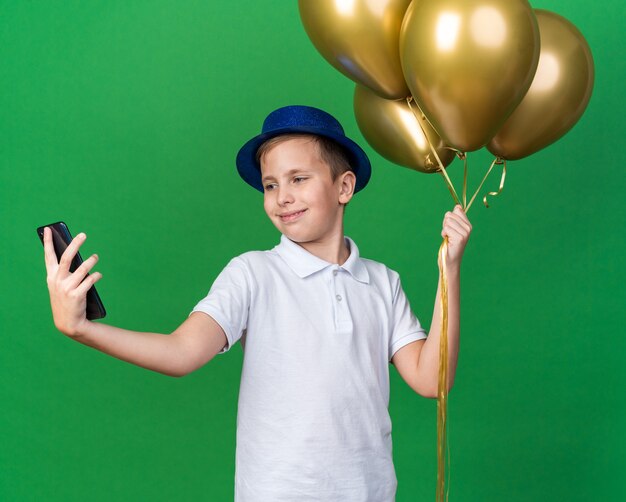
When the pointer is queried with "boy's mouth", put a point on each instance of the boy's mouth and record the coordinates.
(294, 215)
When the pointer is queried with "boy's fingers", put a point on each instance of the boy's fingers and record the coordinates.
(460, 218)
(465, 226)
(70, 252)
(458, 210)
(48, 250)
(80, 273)
(456, 226)
(87, 283)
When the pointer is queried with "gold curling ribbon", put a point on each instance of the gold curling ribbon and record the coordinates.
(497, 161)
(501, 184)
(442, 388)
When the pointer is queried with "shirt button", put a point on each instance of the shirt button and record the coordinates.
(338, 298)
(334, 272)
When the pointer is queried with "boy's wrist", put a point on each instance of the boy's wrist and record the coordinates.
(83, 330)
(452, 268)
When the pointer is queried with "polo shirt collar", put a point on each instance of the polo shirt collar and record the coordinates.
(304, 263)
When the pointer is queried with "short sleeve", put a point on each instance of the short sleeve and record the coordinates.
(406, 328)
(228, 301)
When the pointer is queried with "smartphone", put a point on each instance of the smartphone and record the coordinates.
(61, 238)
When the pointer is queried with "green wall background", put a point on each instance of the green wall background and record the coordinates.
(123, 119)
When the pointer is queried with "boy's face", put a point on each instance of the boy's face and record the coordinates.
(297, 180)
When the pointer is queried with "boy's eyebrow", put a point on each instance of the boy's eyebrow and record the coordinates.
(288, 173)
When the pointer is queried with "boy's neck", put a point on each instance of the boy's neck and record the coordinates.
(333, 250)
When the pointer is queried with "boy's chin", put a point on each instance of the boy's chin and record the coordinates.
(295, 235)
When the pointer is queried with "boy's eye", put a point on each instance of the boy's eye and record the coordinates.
(269, 186)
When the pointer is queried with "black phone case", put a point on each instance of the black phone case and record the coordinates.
(61, 238)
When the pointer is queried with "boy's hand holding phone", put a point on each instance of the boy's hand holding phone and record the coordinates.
(68, 291)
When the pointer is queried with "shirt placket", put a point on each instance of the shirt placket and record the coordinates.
(343, 320)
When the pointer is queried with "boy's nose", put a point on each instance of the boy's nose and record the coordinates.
(284, 196)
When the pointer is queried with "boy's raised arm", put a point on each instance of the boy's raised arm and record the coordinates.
(457, 228)
(194, 343)
(190, 346)
(428, 363)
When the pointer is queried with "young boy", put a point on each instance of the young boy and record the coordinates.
(318, 324)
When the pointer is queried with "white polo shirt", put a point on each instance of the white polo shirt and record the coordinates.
(312, 421)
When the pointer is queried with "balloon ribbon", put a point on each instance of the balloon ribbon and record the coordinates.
(442, 169)
(503, 162)
(497, 161)
(442, 384)
(442, 387)
(462, 155)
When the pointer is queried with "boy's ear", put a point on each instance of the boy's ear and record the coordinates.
(347, 182)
